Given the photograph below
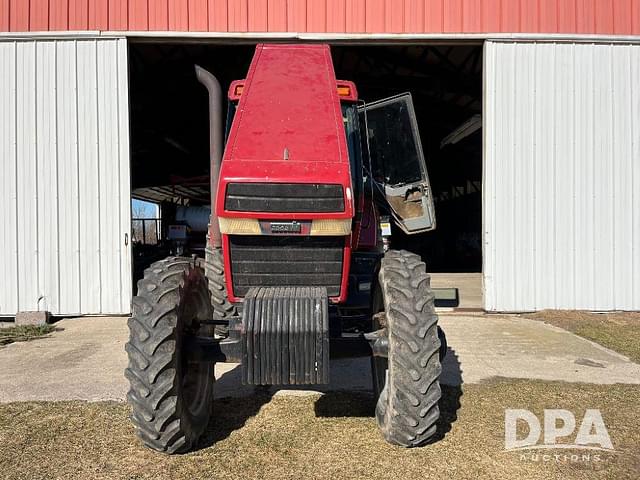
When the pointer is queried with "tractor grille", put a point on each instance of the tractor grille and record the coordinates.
(279, 261)
(284, 197)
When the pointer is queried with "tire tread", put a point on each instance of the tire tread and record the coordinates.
(407, 410)
(157, 413)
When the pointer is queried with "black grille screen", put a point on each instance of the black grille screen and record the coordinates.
(287, 261)
(283, 197)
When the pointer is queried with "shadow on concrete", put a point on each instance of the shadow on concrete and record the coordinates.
(451, 386)
(348, 395)
(360, 404)
(451, 370)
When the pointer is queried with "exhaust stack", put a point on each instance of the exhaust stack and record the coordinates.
(215, 145)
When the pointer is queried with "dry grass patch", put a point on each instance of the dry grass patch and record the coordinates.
(23, 333)
(619, 331)
(320, 437)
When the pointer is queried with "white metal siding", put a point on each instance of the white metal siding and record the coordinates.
(64, 176)
(561, 199)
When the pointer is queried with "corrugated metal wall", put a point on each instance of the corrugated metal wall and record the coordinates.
(562, 176)
(354, 16)
(64, 177)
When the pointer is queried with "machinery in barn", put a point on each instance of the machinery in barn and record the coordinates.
(299, 267)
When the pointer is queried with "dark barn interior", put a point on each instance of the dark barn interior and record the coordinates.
(169, 132)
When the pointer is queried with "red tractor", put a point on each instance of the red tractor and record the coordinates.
(298, 268)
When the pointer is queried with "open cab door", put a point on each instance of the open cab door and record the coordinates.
(397, 161)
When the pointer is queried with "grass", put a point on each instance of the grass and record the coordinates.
(319, 437)
(619, 331)
(23, 333)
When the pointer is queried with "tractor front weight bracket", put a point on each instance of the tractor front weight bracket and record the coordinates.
(379, 342)
(207, 349)
(233, 348)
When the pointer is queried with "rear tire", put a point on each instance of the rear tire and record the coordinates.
(214, 270)
(171, 397)
(407, 407)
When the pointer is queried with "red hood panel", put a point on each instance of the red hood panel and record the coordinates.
(285, 171)
(289, 108)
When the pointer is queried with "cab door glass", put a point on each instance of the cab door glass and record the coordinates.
(397, 161)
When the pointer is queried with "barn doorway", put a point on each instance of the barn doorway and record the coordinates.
(169, 138)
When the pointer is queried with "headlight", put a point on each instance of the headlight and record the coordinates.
(239, 226)
(331, 227)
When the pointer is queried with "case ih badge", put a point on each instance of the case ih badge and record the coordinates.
(286, 227)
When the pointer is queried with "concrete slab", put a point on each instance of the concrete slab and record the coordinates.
(485, 346)
(85, 360)
(469, 287)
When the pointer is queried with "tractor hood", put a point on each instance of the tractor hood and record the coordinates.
(258, 173)
(289, 109)
(288, 127)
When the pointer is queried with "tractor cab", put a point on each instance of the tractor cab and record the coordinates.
(384, 149)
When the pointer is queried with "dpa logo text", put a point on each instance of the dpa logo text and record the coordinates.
(557, 424)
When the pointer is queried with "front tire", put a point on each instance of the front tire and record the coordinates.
(171, 397)
(407, 408)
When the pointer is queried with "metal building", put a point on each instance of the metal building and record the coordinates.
(562, 176)
(561, 136)
(65, 176)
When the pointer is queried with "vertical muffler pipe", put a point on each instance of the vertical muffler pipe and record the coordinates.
(215, 145)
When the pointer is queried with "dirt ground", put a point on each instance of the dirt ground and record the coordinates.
(333, 436)
(619, 331)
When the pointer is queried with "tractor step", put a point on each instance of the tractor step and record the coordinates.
(285, 339)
